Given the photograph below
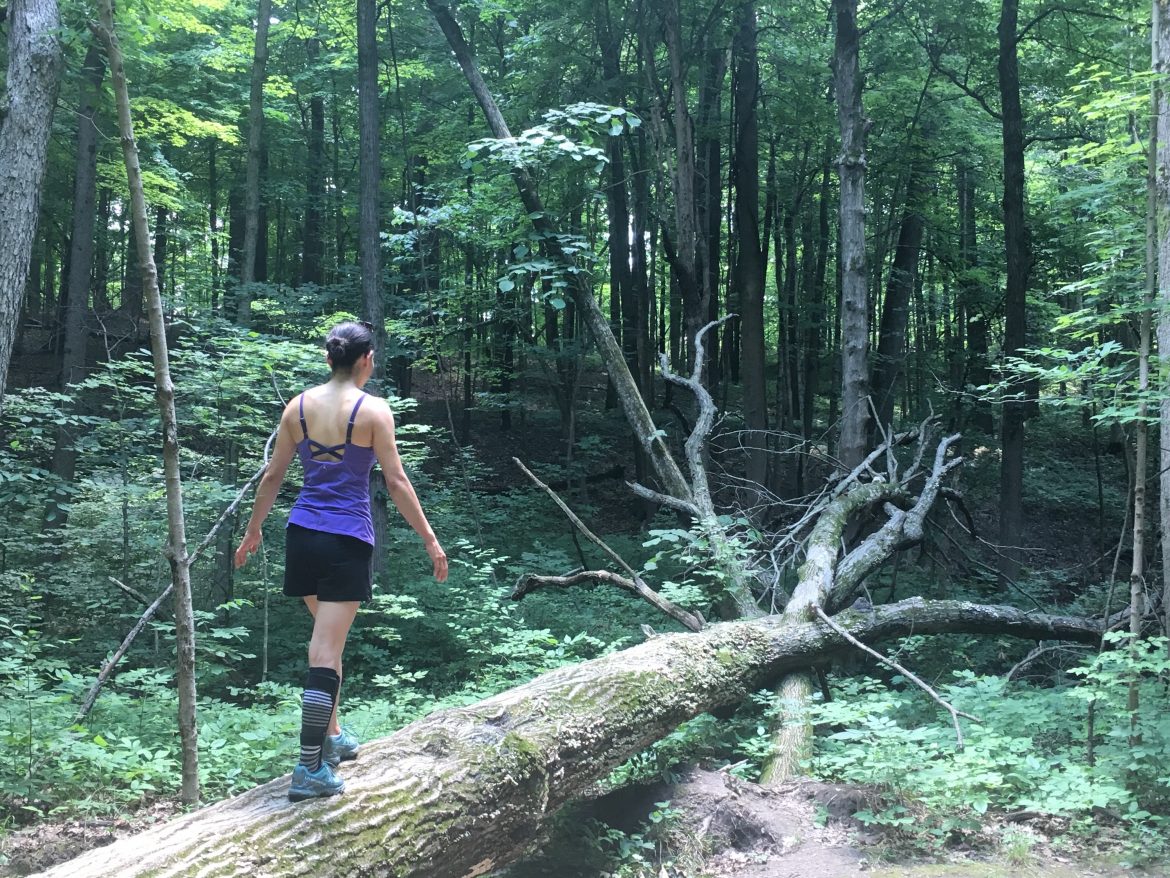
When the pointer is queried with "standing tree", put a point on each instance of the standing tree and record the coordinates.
(847, 83)
(748, 279)
(1161, 64)
(252, 180)
(80, 260)
(1019, 263)
(34, 73)
(176, 549)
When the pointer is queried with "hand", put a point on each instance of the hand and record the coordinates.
(439, 559)
(248, 546)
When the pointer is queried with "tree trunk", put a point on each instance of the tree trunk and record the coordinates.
(689, 232)
(248, 256)
(749, 265)
(313, 257)
(1137, 575)
(176, 548)
(464, 791)
(370, 174)
(34, 74)
(816, 309)
(80, 261)
(978, 373)
(1019, 263)
(101, 259)
(851, 441)
(1161, 63)
(889, 364)
(369, 237)
(213, 222)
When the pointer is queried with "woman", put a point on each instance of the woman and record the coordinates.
(338, 431)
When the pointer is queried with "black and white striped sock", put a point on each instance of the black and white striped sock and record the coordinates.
(321, 687)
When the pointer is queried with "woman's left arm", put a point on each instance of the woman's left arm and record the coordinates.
(400, 488)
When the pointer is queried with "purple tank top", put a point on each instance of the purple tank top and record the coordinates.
(336, 494)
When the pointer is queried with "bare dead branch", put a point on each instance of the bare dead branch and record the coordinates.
(665, 499)
(235, 504)
(957, 500)
(700, 491)
(913, 678)
(1039, 651)
(530, 582)
(580, 525)
(107, 669)
(902, 527)
(133, 592)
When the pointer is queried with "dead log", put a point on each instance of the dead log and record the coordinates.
(464, 791)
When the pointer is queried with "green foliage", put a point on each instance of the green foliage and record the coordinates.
(1029, 752)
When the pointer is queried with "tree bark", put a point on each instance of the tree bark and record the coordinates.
(688, 230)
(81, 258)
(313, 255)
(1019, 263)
(1161, 63)
(750, 259)
(890, 361)
(971, 298)
(248, 257)
(34, 74)
(847, 82)
(464, 791)
(176, 548)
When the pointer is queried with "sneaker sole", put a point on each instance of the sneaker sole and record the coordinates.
(301, 797)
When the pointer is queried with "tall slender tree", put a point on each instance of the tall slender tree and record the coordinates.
(252, 230)
(1161, 66)
(847, 83)
(80, 261)
(749, 266)
(176, 548)
(1018, 253)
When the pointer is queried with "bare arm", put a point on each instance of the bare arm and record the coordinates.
(282, 455)
(400, 488)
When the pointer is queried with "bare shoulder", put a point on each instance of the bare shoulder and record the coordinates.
(376, 413)
(291, 410)
(376, 407)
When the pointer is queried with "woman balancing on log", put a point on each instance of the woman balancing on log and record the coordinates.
(338, 431)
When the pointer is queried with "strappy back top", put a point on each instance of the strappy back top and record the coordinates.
(336, 493)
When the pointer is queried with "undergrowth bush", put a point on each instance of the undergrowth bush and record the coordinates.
(1029, 753)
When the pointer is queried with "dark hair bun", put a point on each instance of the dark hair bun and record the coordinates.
(346, 344)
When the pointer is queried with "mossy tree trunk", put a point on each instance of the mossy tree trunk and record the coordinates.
(464, 791)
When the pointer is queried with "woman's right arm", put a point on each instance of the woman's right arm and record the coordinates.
(282, 454)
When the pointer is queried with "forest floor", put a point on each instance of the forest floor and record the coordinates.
(716, 826)
(719, 826)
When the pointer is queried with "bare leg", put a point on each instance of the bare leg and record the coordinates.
(331, 623)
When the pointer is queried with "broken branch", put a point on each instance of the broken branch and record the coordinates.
(530, 582)
(889, 662)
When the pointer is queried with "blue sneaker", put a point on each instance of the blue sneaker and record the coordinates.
(314, 784)
(340, 748)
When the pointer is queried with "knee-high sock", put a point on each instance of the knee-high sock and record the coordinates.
(321, 686)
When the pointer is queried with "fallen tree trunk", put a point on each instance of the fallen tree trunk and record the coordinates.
(464, 791)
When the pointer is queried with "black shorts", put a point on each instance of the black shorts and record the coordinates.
(334, 567)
